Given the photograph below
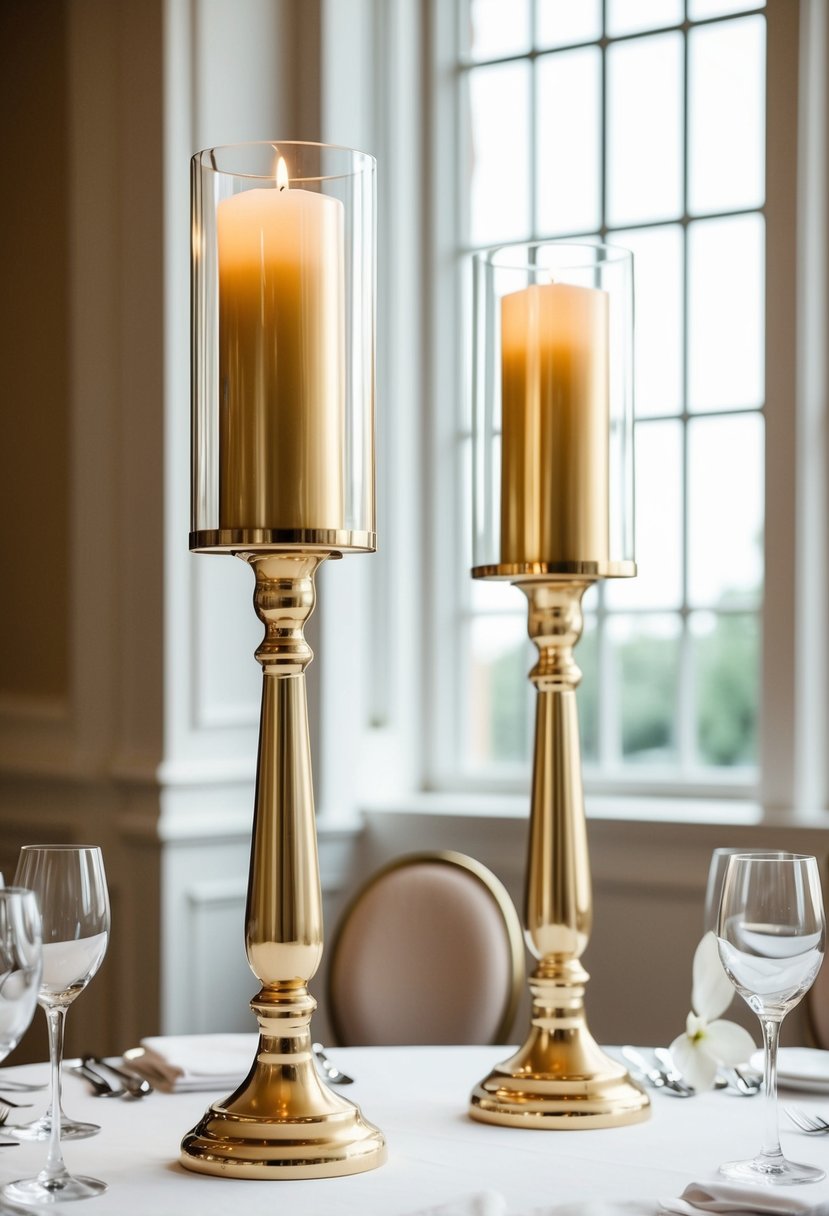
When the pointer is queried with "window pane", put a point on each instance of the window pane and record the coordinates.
(494, 29)
(658, 583)
(498, 691)
(698, 10)
(726, 269)
(499, 153)
(726, 115)
(561, 22)
(658, 278)
(726, 672)
(644, 137)
(568, 152)
(725, 510)
(646, 657)
(632, 16)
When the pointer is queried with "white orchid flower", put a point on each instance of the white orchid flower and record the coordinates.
(709, 1041)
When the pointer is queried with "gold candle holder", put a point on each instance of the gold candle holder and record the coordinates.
(283, 477)
(553, 514)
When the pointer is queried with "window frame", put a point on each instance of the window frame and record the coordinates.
(779, 675)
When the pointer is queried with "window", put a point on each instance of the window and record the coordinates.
(640, 123)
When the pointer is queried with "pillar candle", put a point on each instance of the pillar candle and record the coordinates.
(281, 359)
(555, 423)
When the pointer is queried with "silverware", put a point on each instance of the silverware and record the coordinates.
(745, 1083)
(5, 1111)
(7, 1102)
(21, 1087)
(813, 1125)
(673, 1077)
(101, 1088)
(657, 1078)
(135, 1086)
(332, 1073)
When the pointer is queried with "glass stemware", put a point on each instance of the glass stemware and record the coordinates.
(74, 903)
(20, 964)
(713, 889)
(771, 939)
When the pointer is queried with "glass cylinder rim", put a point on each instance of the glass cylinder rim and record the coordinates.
(612, 254)
(362, 162)
(771, 855)
(58, 848)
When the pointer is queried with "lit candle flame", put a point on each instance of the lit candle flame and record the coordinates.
(281, 174)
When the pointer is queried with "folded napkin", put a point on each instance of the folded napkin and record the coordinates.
(189, 1062)
(738, 1199)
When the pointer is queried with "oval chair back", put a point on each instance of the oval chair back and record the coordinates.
(430, 950)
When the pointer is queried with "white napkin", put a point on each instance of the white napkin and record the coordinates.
(738, 1199)
(189, 1062)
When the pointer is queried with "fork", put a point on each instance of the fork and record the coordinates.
(813, 1125)
(5, 1111)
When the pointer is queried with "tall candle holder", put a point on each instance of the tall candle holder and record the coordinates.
(283, 477)
(553, 513)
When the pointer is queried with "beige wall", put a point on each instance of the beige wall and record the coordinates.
(34, 533)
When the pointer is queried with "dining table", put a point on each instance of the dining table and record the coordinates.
(438, 1157)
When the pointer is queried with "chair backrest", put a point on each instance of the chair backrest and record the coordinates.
(430, 950)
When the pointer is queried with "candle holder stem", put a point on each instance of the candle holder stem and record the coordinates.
(560, 1078)
(283, 1121)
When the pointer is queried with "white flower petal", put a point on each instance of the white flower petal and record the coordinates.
(693, 1061)
(728, 1043)
(695, 1026)
(712, 991)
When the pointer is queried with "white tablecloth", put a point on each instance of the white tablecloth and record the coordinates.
(437, 1154)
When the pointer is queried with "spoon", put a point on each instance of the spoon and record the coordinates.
(100, 1086)
(332, 1073)
(135, 1086)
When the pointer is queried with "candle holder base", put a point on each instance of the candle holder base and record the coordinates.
(283, 1121)
(560, 1079)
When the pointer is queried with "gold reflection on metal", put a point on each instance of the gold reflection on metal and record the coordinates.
(560, 1078)
(283, 1121)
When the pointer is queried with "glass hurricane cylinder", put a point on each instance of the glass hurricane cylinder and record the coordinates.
(283, 288)
(283, 478)
(553, 512)
(553, 410)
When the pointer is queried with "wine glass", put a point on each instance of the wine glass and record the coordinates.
(20, 964)
(74, 904)
(713, 890)
(771, 937)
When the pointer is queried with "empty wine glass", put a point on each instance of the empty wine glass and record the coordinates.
(771, 937)
(71, 887)
(713, 890)
(20, 964)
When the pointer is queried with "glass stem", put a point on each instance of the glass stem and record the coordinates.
(54, 1168)
(771, 1128)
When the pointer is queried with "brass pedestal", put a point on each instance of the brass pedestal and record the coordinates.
(560, 1078)
(283, 1121)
